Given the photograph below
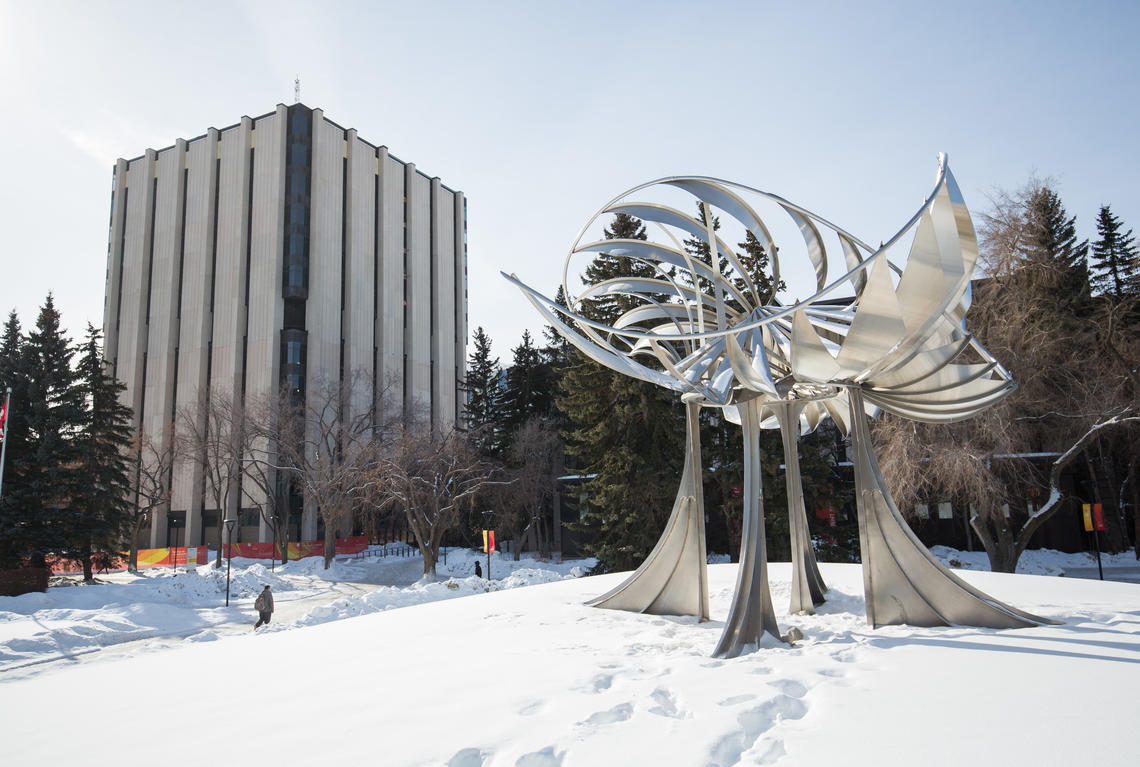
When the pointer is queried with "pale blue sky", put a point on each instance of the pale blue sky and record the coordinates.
(541, 112)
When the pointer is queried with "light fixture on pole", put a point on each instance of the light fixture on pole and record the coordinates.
(229, 554)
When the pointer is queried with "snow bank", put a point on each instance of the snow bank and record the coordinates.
(1033, 561)
(157, 605)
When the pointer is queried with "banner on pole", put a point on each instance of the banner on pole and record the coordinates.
(1098, 517)
(488, 541)
(1087, 509)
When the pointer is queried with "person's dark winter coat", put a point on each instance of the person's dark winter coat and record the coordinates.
(478, 571)
(264, 606)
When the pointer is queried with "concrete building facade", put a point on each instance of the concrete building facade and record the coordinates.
(283, 251)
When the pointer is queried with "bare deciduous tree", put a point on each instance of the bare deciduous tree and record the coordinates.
(430, 476)
(154, 457)
(210, 434)
(328, 444)
(260, 470)
(535, 455)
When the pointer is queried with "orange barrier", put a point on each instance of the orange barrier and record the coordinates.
(178, 556)
(200, 555)
(250, 550)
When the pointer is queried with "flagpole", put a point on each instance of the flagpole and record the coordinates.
(4, 438)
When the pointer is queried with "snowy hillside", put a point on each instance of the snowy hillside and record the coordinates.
(531, 677)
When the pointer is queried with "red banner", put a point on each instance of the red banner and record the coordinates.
(298, 550)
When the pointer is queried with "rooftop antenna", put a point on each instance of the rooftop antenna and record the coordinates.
(297, 90)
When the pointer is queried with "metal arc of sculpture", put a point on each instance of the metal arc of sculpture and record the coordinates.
(702, 327)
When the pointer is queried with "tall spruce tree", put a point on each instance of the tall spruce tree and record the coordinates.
(98, 515)
(13, 375)
(528, 390)
(627, 435)
(1056, 264)
(557, 355)
(483, 384)
(1115, 261)
(54, 411)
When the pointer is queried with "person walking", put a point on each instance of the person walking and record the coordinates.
(264, 606)
(478, 570)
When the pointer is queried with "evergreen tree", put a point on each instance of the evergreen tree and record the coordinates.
(54, 411)
(528, 389)
(483, 385)
(756, 260)
(607, 267)
(99, 512)
(627, 434)
(1115, 260)
(13, 543)
(1056, 264)
(556, 353)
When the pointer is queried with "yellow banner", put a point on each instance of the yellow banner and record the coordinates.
(1087, 508)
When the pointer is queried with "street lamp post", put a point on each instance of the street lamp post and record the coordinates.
(229, 554)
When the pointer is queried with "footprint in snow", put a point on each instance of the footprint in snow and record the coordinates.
(468, 757)
(753, 723)
(619, 713)
(790, 687)
(601, 682)
(547, 757)
(666, 705)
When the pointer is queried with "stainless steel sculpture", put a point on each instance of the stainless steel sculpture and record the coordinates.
(898, 345)
(673, 579)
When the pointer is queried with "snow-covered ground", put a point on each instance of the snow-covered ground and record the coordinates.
(159, 607)
(532, 677)
(1039, 561)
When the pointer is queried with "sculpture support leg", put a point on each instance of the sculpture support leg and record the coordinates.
(808, 587)
(902, 581)
(673, 579)
(751, 614)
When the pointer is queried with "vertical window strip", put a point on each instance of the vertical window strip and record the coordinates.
(248, 259)
(182, 242)
(406, 393)
(214, 240)
(142, 396)
(249, 231)
(433, 291)
(150, 246)
(174, 387)
(343, 256)
(376, 273)
(119, 289)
